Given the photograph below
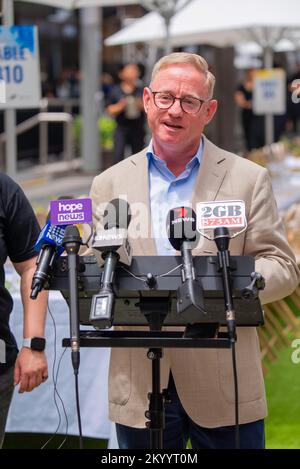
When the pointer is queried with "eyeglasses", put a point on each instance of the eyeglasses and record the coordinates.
(188, 104)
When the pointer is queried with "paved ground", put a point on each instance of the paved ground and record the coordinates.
(42, 189)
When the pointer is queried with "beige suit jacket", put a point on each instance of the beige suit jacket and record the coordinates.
(203, 378)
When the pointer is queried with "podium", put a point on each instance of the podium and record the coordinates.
(131, 292)
(146, 295)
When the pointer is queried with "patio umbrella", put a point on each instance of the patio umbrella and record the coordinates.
(72, 4)
(220, 23)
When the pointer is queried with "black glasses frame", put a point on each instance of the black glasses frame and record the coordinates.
(201, 101)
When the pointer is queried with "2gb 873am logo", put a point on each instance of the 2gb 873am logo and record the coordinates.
(229, 213)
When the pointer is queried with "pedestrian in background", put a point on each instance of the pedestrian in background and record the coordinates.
(125, 104)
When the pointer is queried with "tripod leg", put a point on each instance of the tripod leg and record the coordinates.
(156, 413)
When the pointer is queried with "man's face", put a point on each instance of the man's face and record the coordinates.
(173, 128)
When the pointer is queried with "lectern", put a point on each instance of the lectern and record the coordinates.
(146, 295)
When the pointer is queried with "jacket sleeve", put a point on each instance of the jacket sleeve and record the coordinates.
(265, 239)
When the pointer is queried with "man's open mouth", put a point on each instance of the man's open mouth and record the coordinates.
(173, 126)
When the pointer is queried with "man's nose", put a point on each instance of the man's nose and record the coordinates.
(175, 109)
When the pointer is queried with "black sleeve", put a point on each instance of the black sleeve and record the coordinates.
(113, 96)
(240, 88)
(21, 226)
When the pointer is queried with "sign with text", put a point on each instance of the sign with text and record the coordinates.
(71, 211)
(20, 83)
(229, 213)
(269, 92)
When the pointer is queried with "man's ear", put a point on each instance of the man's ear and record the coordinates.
(146, 98)
(211, 109)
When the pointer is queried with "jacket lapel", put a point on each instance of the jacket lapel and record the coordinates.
(212, 172)
(139, 198)
(211, 175)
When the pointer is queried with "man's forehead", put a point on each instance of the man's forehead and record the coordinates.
(180, 74)
(181, 70)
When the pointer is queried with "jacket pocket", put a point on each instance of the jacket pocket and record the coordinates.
(119, 376)
(249, 371)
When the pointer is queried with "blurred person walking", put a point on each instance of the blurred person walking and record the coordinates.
(125, 104)
(243, 99)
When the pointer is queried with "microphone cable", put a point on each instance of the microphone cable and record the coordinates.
(236, 397)
(143, 277)
(78, 410)
(56, 393)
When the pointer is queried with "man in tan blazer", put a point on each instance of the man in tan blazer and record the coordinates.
(181, 165)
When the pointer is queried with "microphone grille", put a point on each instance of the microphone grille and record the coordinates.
(181, 226)
(117, 214)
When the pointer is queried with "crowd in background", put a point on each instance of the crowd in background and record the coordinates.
(122, 101)
(254, 125)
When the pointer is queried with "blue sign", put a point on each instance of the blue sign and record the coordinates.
(20, 85)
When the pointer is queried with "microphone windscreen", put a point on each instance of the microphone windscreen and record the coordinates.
(51, 235)
(181, 226)
(71, 230)
(117, 214)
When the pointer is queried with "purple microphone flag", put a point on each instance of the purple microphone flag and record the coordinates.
(71, 211)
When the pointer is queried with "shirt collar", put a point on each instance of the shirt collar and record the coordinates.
(161, 163)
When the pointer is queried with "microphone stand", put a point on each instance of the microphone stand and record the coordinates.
(190, 292)
(222, 238)
(72, 242)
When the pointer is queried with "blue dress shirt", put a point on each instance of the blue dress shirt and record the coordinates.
(168, 191)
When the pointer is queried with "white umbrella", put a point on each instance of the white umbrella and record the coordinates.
(220, 23)
(71, 4)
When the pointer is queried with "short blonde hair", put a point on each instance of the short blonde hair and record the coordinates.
(186, 58)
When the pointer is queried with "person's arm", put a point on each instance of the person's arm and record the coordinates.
(115, 109)
(241, 101)
(31, 366)
(266, 240)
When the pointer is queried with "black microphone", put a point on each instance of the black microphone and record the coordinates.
(110, 246)
(72, 242)
(183, 236)
(222, 239)
(49, 247)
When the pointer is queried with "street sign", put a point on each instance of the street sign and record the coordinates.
(269, 94)
(20, 84)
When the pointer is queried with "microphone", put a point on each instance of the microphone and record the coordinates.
(64, 211)
(230, 214)
(72, 242)
(223, 219)
(183, 236)
(114, 237)
(110, 246)
(48, 245)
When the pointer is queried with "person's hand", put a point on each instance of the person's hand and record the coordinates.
(122, 104)
(30, 369)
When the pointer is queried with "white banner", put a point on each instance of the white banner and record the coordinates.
(20, 83)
